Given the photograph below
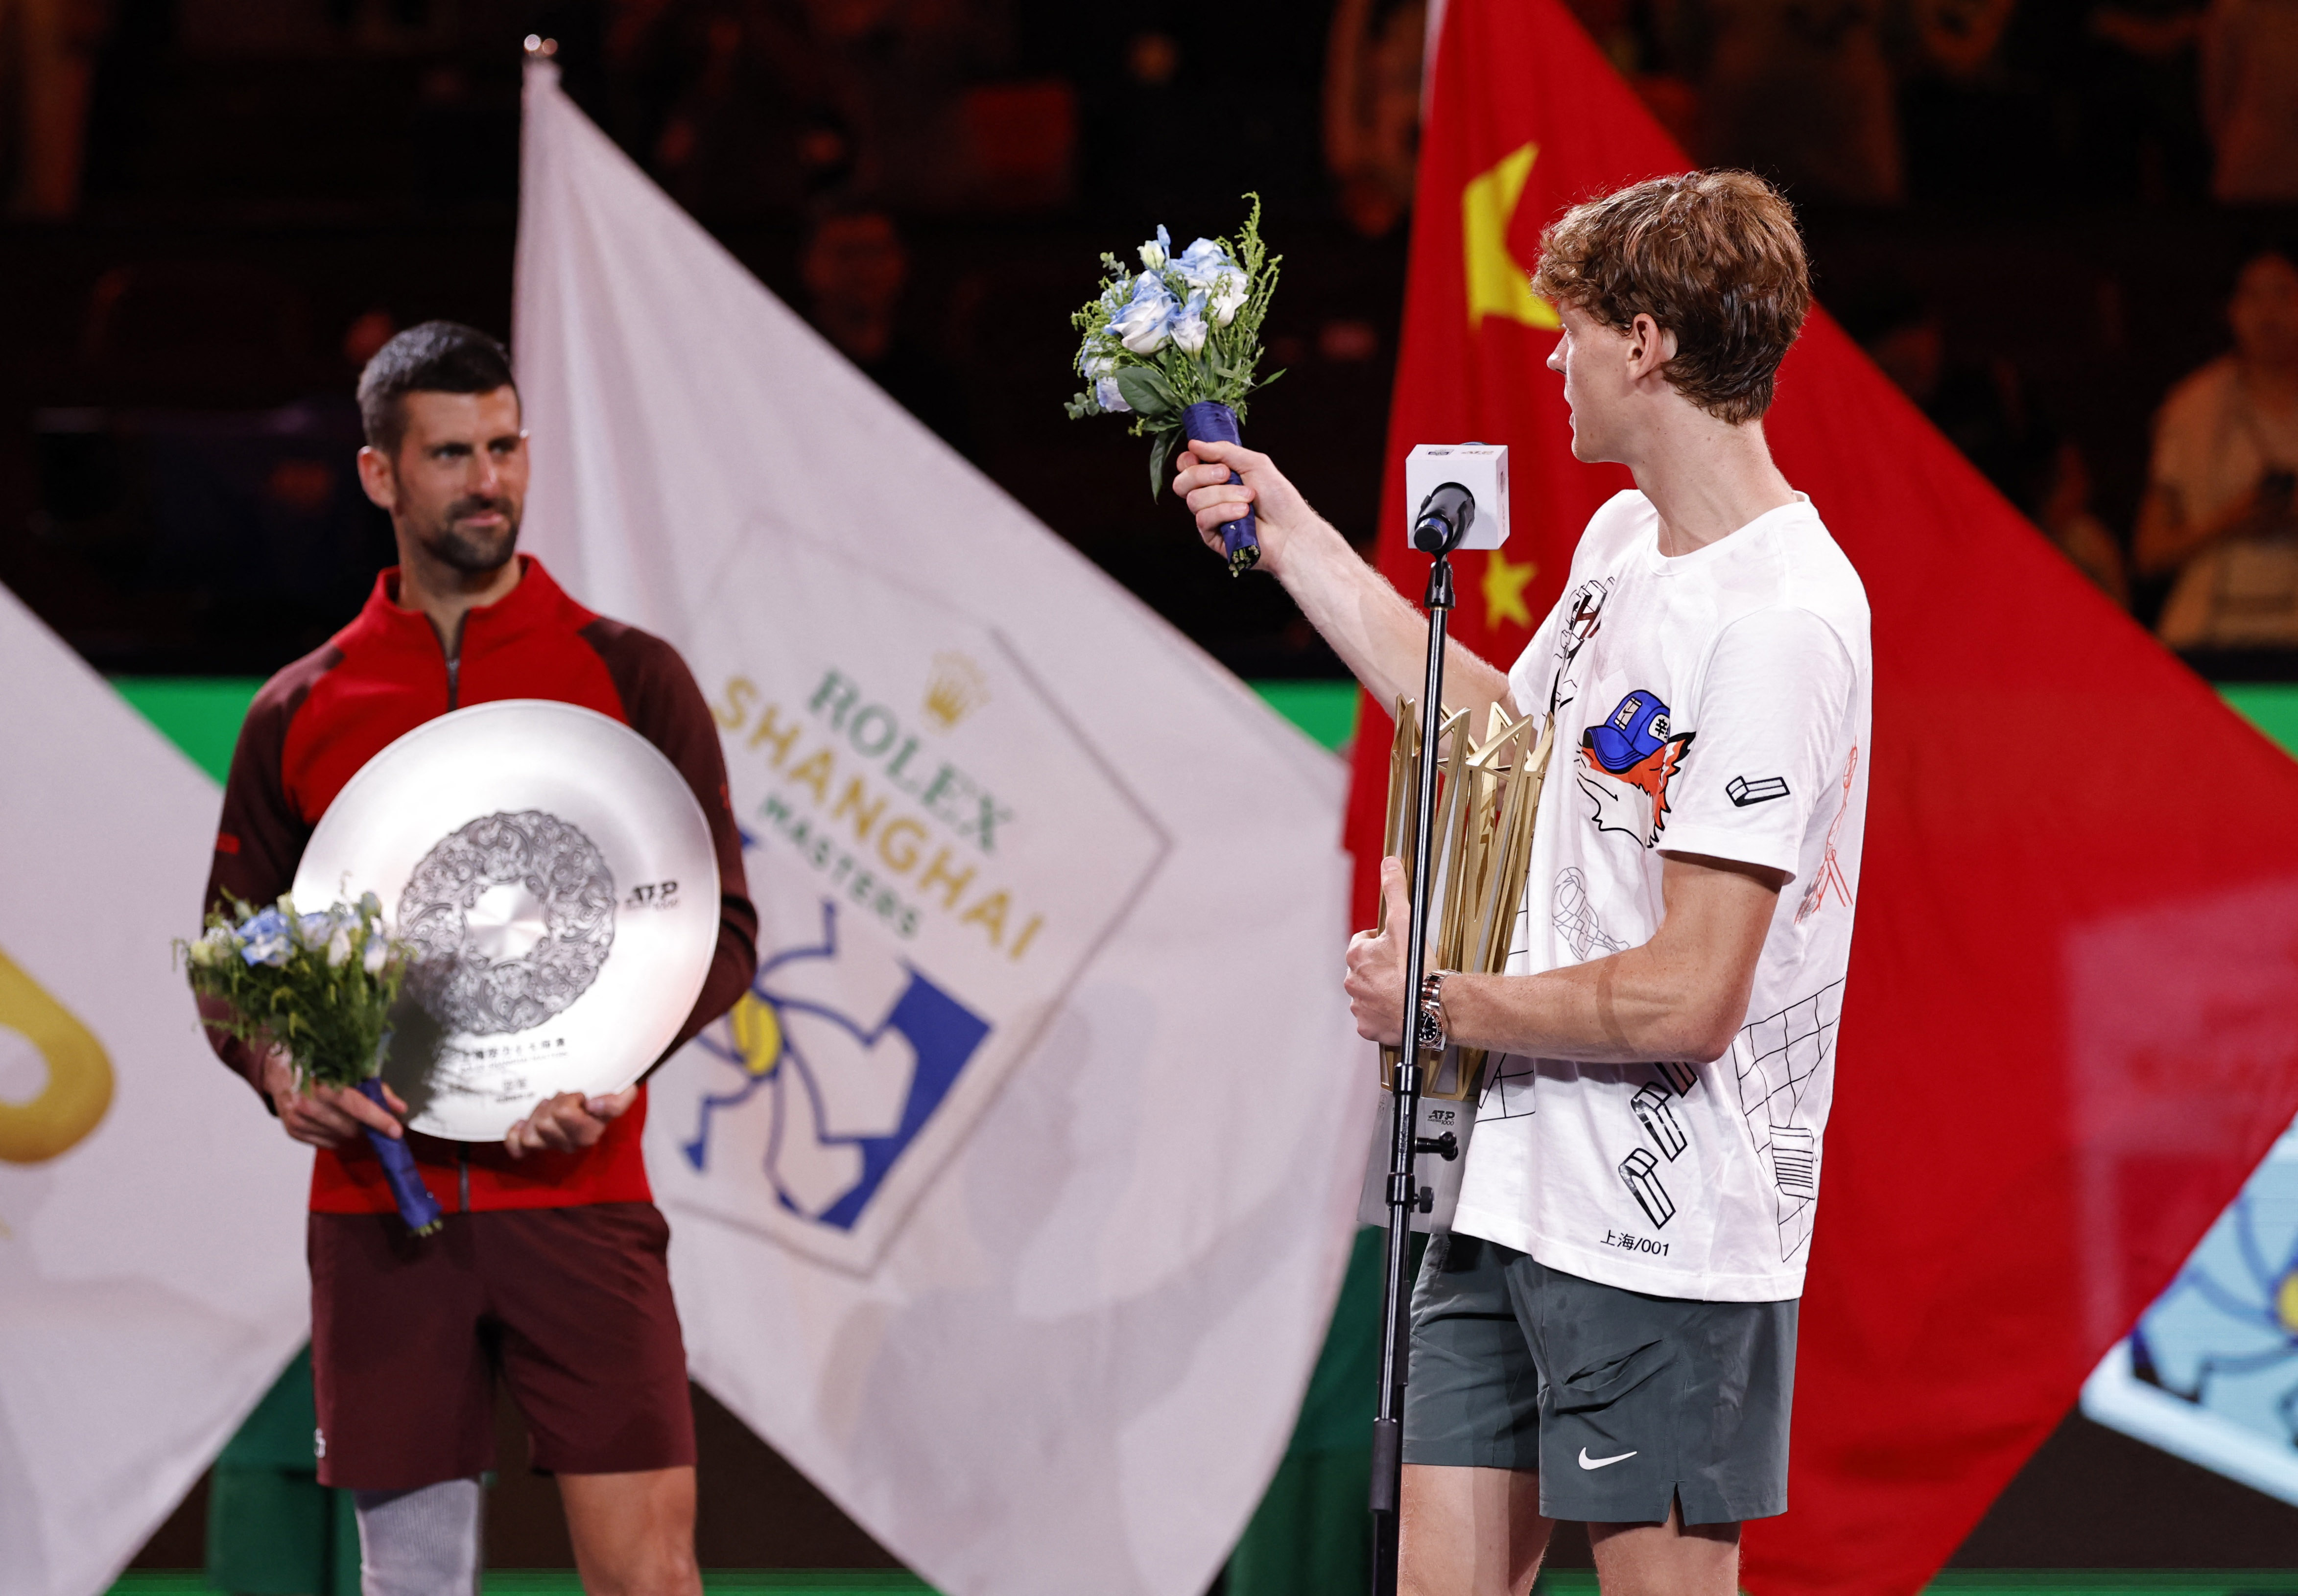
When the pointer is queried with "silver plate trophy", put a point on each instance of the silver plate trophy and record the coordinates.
(558, 881)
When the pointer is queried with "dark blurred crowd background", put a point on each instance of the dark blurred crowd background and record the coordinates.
(2064, 227)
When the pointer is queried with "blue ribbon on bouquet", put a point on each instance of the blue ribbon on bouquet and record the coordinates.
(417, 1205)
(1216, 423)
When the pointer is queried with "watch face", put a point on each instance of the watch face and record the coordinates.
(1432, 1010)
(1432, 1013)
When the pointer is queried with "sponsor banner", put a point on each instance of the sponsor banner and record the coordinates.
(936, 850)
(152, 1280)
(1011, 1202)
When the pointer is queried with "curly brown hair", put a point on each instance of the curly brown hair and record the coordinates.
(1712, 257)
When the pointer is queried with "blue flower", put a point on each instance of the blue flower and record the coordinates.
(1207, 267)
(1203, 263)
(1142, 327)
(1188, 325)
(1099, 369)
(264, 939)
(1157, 251)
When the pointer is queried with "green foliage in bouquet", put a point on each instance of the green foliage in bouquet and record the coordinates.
(1183, 330)
(320, 985)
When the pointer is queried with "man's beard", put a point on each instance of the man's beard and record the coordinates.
(467, 549)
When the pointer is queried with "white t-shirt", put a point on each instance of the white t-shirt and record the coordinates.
(1714, 703)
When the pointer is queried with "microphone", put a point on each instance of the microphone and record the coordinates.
(1462, 492)
(1445, 515)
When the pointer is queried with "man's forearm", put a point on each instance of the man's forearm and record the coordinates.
(1378, 634)
(1630, 1007)
(1680, 997)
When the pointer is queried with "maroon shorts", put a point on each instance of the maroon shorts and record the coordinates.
(571, 1306)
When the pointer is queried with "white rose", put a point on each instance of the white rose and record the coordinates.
(1157, 251)
(1189, 326)
(1228, 298)
(1142, 327)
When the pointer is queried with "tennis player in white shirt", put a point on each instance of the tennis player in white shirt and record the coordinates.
(1607, 1333)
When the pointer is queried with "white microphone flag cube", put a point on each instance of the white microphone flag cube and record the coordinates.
(1482, 469)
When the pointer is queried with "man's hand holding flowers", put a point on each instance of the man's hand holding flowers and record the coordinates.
(1202, 481)
(311, 994)
(1177, 346)
(326, 1116)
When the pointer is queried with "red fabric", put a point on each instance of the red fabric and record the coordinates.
(392, 677)
(350, 1179)
(2071, 1027)
(572, 1308)
(527, 644)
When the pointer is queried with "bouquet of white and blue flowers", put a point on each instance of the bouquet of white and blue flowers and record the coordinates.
(319, 987)
(1175, 346)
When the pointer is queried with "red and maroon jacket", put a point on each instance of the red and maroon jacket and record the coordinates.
(315, 722)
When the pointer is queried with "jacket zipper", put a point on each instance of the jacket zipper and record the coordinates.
(454, 651)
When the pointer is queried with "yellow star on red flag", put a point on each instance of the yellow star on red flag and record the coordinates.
(1498, 285)
(1505, 581)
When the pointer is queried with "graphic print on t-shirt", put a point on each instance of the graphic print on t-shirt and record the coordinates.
(1576, 916)
(1775, 1058)
(1582, 611)
(1681, 1180)
(1626, 761)
(1508, 1084)
(1829, 881)
(1653, 1111)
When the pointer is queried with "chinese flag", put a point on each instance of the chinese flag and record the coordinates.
(2071, 1027)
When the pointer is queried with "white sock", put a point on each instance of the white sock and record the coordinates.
(420, 1543)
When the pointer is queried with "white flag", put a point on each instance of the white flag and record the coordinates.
(1011, 1204)
(152, 1281)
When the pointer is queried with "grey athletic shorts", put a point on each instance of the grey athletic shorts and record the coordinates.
(1619, 1400)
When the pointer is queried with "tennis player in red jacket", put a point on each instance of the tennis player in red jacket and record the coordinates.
(550, 1273)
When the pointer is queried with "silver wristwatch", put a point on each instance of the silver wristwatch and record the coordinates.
(1431, 1031)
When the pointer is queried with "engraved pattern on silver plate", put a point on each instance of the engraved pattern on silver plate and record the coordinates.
(457, 977)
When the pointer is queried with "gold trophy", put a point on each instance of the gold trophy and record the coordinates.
(1487, 801)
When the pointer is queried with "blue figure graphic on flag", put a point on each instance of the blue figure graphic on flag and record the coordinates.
(857, 1049)
(2224, 1335)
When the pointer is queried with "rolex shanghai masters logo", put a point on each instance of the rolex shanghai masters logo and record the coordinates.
(935, 849)
(1626, 761)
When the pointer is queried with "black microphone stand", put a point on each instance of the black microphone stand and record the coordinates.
(1443, 520)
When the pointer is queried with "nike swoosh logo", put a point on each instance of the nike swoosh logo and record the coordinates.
(1588, 1462)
